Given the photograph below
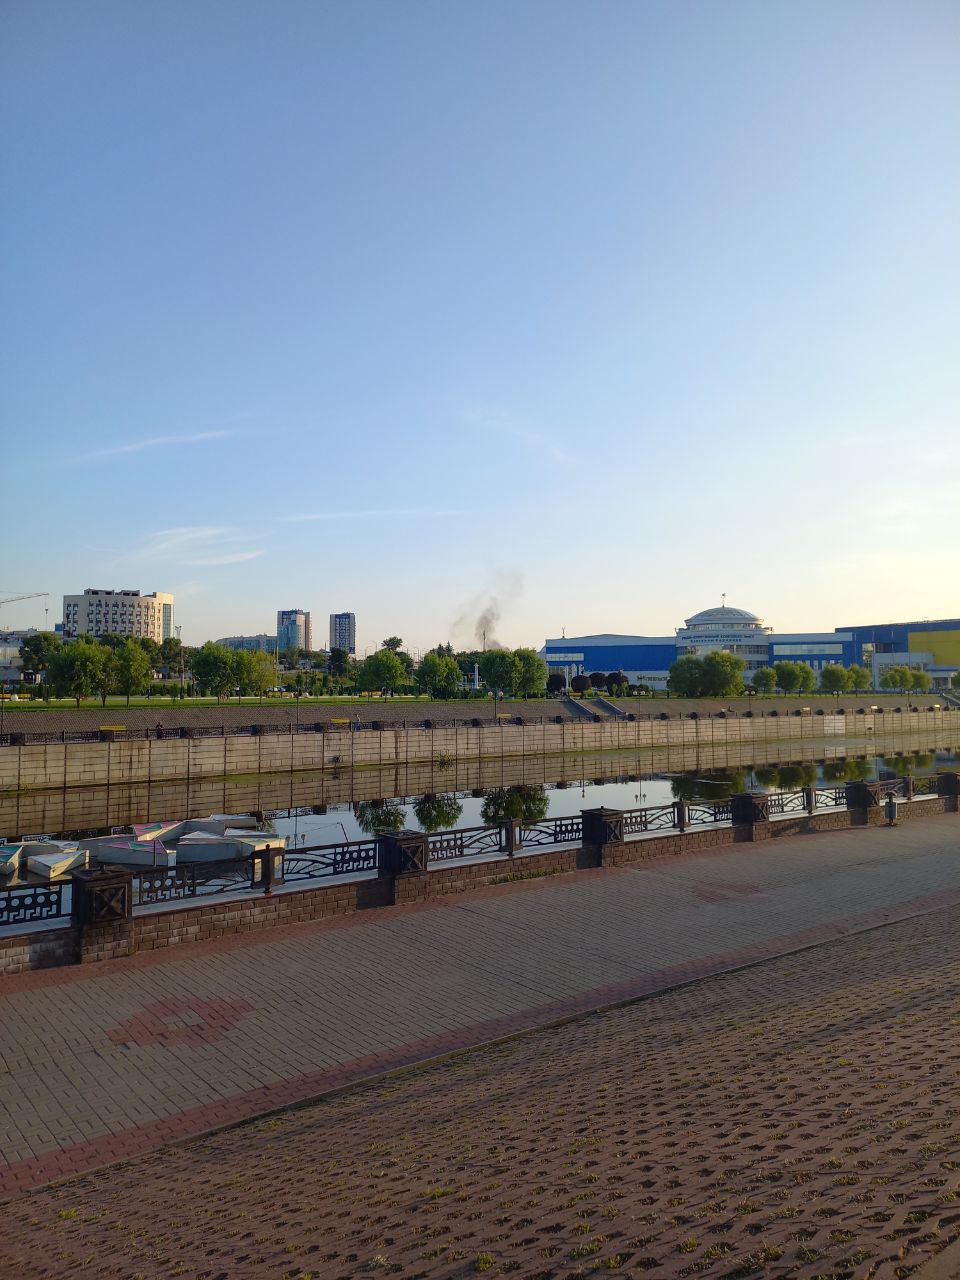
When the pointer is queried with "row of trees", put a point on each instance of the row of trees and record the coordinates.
(720, 675)
(85, 668)
(512, 672)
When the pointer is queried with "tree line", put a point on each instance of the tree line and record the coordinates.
(721, 675)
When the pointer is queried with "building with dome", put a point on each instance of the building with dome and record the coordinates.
(932, 646)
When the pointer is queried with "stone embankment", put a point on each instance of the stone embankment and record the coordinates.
(400, 713)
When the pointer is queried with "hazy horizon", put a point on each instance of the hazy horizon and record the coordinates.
(601, 310)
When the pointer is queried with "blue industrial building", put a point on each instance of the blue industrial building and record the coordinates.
(931, 646)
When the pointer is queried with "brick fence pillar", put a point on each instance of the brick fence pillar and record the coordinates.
(948, 786)
(102, 911)
(751, 809)
(601, 827)
(402, 853)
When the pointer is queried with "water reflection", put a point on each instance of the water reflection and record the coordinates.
(528, 804)
(721, 784)
(848, 770)
(437, 813)
(380, 815)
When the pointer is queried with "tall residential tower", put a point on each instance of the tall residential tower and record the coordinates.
(294, 630)
(343, 631)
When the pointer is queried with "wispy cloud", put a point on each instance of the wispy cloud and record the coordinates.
(373, 514)
(154, 442)
(232, 557)
(200, 545)
(541, 442)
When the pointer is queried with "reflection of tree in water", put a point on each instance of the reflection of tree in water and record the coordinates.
(718, 784)
(795, 776)
(529, 804)
(380, 815)
(847, 770)
(903, 766)
(437, 813)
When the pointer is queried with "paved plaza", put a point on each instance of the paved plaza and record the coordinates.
(795, 1118)
(105, 1061)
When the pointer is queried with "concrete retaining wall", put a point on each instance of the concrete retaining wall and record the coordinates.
(90, 764)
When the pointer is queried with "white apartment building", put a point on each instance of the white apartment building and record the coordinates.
(343, 631)
(120, 613)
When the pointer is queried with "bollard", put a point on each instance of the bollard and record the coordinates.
(890, 809)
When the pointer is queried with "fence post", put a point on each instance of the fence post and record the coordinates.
(680, 815)
(102, 901)
(402, 853)
(810, 800)
(510, 836)
(948, 786)
(861, 798)
(601, 828)
(751, 809)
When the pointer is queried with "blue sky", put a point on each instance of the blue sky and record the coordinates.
(600, 309)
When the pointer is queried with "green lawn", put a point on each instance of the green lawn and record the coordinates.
(165, 703)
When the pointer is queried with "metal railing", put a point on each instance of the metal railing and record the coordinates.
(192, 880)
(316, 862)
(23, 904)
(29, 904)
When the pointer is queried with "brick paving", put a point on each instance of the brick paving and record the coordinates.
(798, 1118)
(105, 1062)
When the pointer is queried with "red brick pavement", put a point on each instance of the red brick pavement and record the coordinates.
(166, 1045)
(794, 1119)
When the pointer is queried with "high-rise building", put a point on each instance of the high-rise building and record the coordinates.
(294, 630)
(119, 613)
(343, 631)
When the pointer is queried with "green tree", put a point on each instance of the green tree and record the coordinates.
(37, 652)
(686, 677)
(392, 642)
(920, 681)
(437, 813)
(338, 664)
(151, 649)
(381, 670)
(834, 679)
(598, 679)
(75, 669)
(897, 677)
(808, 677)
(764, 680)
(556, 682)
(618, 684)
(788, 675)
(439, 675)
(170, 651)
(955, 680)
(132, 668)
(722, 675)
(254, 671)
(214, 669)
(500, 670)
(108, 674)
(860, 678)
(580, 684)
(531, 672)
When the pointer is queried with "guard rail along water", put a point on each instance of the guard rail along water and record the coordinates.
(125, 891)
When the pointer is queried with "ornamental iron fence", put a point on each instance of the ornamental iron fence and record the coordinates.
(26, 901)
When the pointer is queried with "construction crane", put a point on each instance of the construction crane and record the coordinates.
(29, 595)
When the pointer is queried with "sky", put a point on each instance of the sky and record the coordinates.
(586, 312)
